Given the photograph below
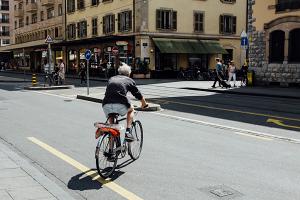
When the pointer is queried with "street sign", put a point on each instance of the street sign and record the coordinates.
(88, 54)
(115, 50)
(244, 39)
(49, 39)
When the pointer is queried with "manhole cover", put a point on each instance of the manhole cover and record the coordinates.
(222, 192)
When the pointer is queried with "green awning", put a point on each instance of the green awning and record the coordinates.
(188, 46)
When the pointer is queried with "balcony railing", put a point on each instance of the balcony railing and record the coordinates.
(19, 13)
(288, 5)
(5, 8)
(47, 2)
(31, 7)
(4, 33)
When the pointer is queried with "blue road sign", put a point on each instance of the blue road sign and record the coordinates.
(244, 41)
(88, 54)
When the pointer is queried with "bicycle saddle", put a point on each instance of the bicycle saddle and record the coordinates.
(115, 115)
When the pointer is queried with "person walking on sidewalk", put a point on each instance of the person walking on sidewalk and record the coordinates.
(116, 101)
(82, 73)
(218, 72)
(232, 73)
(61, 72)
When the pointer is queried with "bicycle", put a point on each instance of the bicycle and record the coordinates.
(111, 146)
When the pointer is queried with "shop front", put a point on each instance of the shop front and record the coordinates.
(172, 55)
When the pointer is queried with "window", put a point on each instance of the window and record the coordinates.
(283, 5)
(34, 18)
(82, 29)
(5, 41)
(27, 20)
(166, 19)
(71, 31)
(106, 1)
(80, 4)
(276, 54)
(227, 24)
(198, 21)
(71, 6)
(125, 21)
(42, 15)
(5, 18)
(59, 10)
(109, 24)
(294, 46)
(16, 24)
(56, 32)
(94, 26)
(5, 30)
(95, 2)
(21, 23)
(50, 13)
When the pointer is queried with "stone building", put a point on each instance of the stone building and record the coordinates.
(275, 42)
(5, 19)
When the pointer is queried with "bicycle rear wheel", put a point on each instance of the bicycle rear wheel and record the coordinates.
(106, 156)
(135, 147)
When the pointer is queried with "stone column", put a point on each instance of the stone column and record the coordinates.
(286, 48)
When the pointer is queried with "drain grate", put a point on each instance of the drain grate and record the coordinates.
(222, 192)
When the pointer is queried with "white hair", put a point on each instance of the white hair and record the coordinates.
(124, 69)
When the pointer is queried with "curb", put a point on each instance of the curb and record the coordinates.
(48, 87)
(241, 93)
(152, 106)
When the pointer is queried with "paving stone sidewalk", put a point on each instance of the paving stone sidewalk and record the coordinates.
(20, 180)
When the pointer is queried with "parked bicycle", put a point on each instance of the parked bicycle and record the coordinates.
(112, 145)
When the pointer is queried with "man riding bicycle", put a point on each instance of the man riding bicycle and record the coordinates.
(116, 101)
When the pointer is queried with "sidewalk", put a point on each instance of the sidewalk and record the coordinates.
(20, 180)
(267, 91)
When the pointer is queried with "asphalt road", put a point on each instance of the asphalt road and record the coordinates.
(195, 147)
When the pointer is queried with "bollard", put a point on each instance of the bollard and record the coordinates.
(33, 80)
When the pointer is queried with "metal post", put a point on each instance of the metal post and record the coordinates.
(24, 64)
(49, 57)
(88, 78)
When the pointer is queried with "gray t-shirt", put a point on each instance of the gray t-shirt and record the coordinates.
(117, 89)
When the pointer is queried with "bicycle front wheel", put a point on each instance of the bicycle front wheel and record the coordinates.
(135, 147)
(106, 155)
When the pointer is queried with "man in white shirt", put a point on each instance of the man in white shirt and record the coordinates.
(61, 72)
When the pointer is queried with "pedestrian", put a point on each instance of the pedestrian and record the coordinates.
(61, 72)
(82, 73)
(244, 72)
(232, 73)
(218, 73)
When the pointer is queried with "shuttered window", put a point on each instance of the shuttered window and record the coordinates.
(166, 19)
(227, 24)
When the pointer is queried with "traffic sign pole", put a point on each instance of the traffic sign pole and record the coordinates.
(88, 55)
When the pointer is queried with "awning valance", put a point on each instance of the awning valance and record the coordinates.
(188, 46)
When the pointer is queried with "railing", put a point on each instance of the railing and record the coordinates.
(4, 33)
(4, 20)
(288, 5)
(4, 7)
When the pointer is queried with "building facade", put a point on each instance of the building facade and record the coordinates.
(5, 19)
(168, 35)
(275, 46)
(162, 36)
(33, 21)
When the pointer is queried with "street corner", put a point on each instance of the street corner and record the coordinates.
(55, 87)
(151, 107)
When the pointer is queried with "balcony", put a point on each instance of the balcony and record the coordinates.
(287, 5)
(4, 33)
(19, 13)
(6, 21)
(31, 7)
(5, 8)
(47, 2)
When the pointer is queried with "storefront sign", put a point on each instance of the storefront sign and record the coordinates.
(121, 43)
(115, 50)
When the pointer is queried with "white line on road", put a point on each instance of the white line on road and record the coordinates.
(234, 129)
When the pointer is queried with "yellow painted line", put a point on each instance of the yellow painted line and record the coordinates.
(92, 173)
(253, 136)
(280, 123)
(236, 111)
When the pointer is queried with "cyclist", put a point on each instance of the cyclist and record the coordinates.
(116, 101)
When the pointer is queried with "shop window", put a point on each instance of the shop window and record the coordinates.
(227, 24)
(167, 62)
(294, 46)
(95, 26)
(166, 19)
(82, 29)
(109, 24)
(72, 60)
(198, 21)
(276, 54)
(70, 6)
(125, 21)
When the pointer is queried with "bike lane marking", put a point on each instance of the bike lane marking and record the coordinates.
(230, 128)
(92, 173)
